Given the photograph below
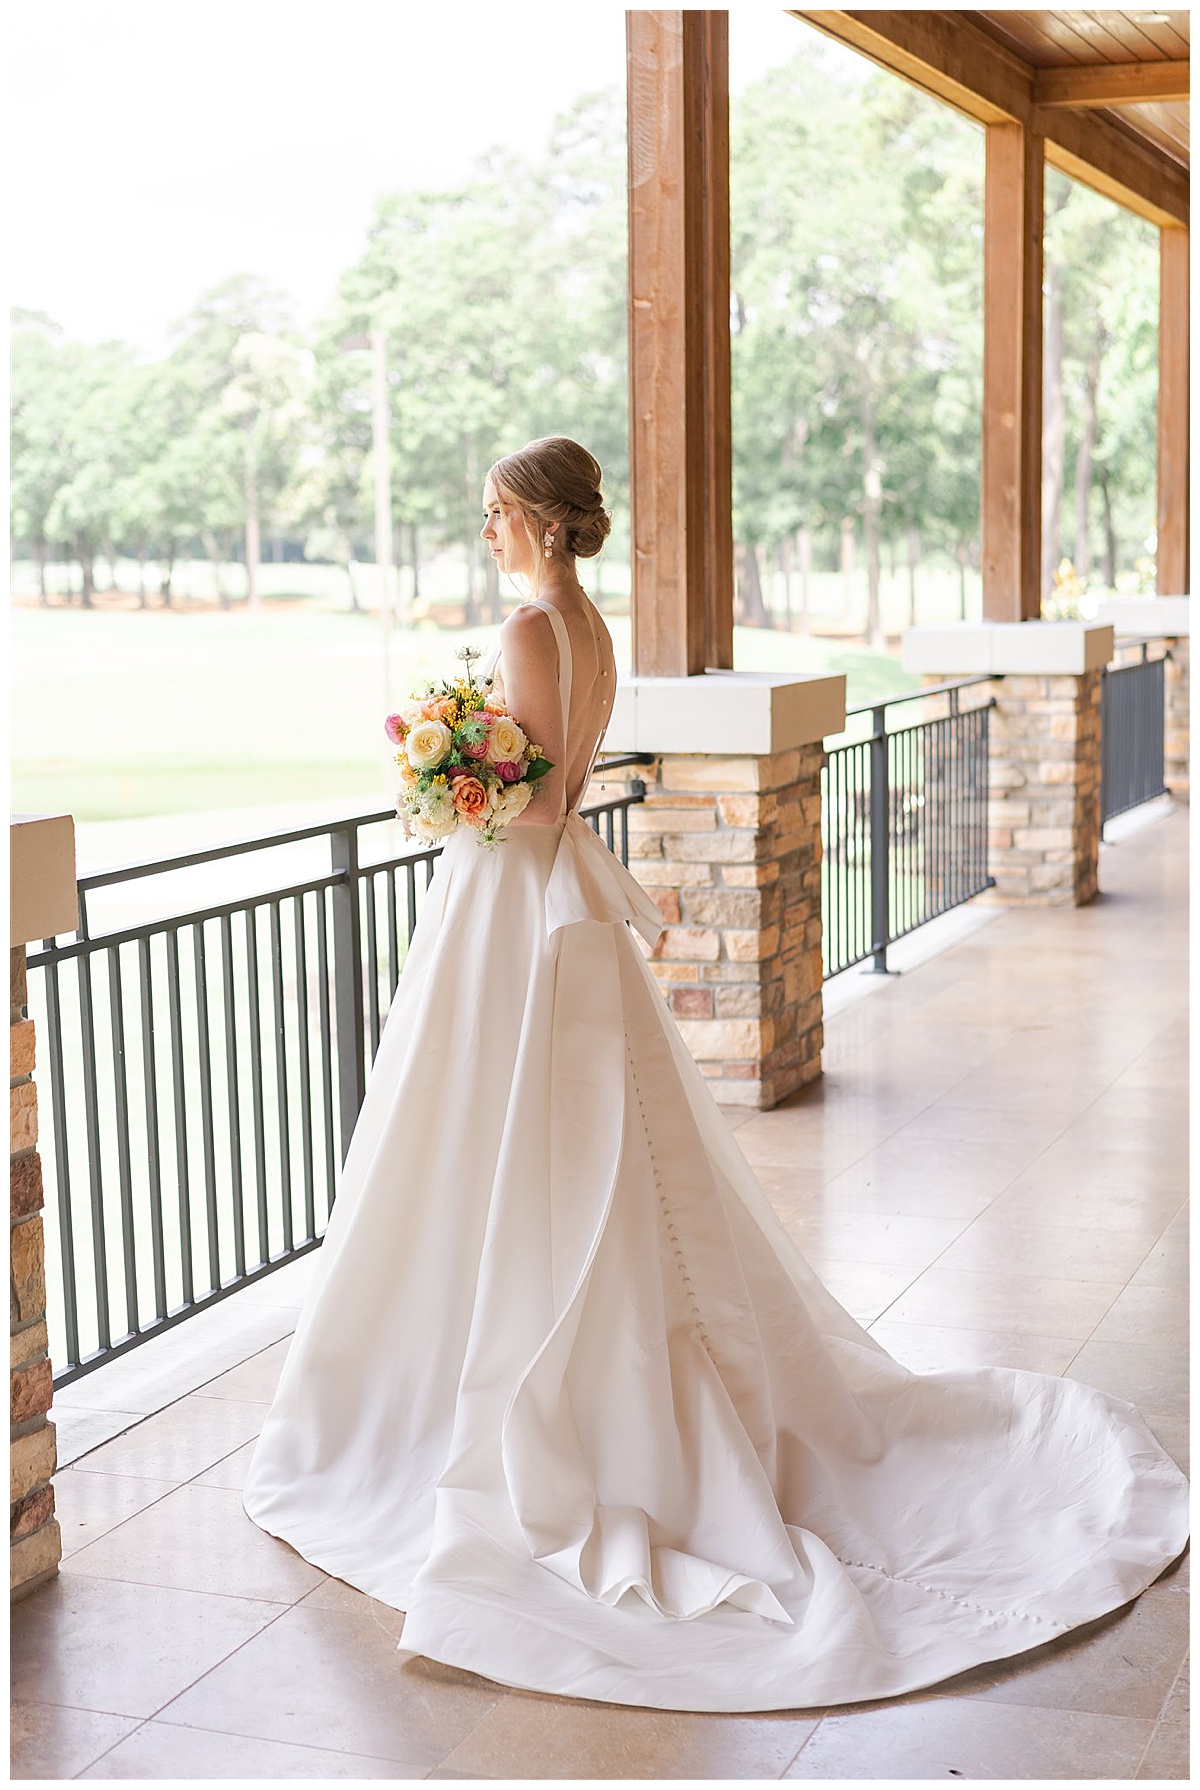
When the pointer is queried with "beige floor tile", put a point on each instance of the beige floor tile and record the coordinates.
(1074, 1200)
(230, 1470)
(327, 1678)
(963, 1121)
(88, 1505)
(1037, 1305)
(1152, 1376)
(123, 1649)
(1032, 1247)
(899, 1239)
(198, 1538)
(1158, 1182)
(177, 1361)
(164, 1751)
(254, 1379)
(1126, 1661)
(50, 1742)
(961, 1737)
(181, 1441)
(927, 1347)
(531, 1737)
(80, 1429)
(335, 1594)
(1168, 1754)
(1146, 1314)
(866, 1289)
(1167, 1264)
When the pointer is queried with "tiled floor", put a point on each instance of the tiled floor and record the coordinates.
(994, 1168)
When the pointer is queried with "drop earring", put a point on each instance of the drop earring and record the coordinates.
(548, 543)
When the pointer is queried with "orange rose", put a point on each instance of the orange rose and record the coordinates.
(471, 799)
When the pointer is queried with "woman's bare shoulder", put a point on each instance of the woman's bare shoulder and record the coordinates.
(529, 630)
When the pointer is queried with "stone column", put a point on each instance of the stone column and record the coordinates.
(43, 904)
(728, 842)
(1044, 757)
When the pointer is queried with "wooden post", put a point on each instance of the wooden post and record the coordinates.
(1173, 506)
(1012, 356)
(679, 402)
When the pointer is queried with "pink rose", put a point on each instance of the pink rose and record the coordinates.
(395, 727)
(477, 751)
(508, 771)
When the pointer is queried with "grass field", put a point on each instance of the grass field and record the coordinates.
(121, 713)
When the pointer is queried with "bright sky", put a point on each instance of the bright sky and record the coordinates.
(163, 145)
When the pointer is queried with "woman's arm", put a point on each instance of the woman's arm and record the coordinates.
(532, 696)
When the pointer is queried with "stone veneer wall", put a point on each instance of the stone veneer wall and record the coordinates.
(1043, 787)
(1178, 681)
(35, 1544)
(730, 849)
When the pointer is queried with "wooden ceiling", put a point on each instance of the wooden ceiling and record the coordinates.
(1107, 92)
(1136, 66)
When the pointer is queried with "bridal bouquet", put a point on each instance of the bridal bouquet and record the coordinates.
(464, 760)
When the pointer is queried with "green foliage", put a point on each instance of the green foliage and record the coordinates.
(857, 254)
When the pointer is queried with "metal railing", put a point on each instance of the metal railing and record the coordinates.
(1132, 734)
(904, 825)
(207, 1063)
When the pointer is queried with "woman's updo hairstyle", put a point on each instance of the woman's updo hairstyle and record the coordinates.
(554, 480)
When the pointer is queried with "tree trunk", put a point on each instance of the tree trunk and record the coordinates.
(87, 571)
(964, 554)
(785, 569)
(415, 544)
(872, 514)
(1053, 427)
(847, 568)
(164, 588)
(749, 583)
(110, 554)
(1083, 469)
(253, 525)
(914, 559)
(39, 554)
(805, 543)
(356, 607)
(1110, 534)
(213, 548)
(472, 612)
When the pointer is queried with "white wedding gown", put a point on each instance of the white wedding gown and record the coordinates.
(566, 1392)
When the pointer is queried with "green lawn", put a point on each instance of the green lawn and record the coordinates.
(124, 713)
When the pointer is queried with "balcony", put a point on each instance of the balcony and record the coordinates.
(993, 1168)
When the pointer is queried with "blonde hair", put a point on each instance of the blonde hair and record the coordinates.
(555, 480)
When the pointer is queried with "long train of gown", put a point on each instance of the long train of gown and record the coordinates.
(566, 1392)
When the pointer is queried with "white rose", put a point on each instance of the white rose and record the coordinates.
(436, 805)
(505, 742)
(427, 743)
(430, 829)
(514, 798)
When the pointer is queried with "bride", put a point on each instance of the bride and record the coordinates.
(564, 1390)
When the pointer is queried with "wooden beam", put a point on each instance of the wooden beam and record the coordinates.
(1112, 84)
(1011, 494)
(679, 379)
(1173, 444)
(951, 58)
(1101, 154)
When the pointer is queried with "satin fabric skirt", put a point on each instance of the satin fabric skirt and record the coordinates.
(565, 1391)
